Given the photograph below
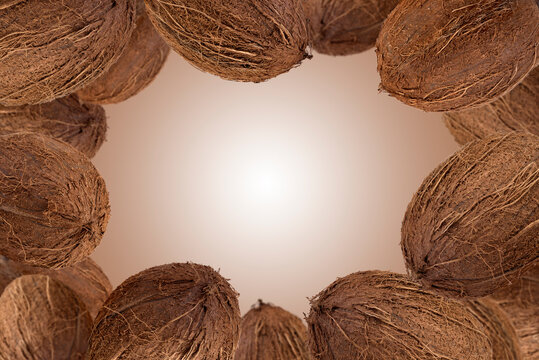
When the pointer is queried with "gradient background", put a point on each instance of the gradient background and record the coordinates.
(282, 186)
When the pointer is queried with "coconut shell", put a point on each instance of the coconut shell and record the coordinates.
(443, 55)
(54, 205)
(379, 315)
(271, 333)
(81, 125)
(515, 111)
(40, 318)
(235, 39)
(50, 48)
(473, 225)
(168, 312)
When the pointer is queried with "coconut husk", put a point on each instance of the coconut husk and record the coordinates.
(49, 49)
(271, 333)
(235, 39)
(54, 205)
(444, 55)
(79, 124)
(40, 318)
(473, 225)
(168, 312)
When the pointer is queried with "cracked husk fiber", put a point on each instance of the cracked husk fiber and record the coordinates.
(271, 333)
(344, 27)
(86, 279)
(81, 125)
(54, 206)
(443, 55)
(42, 319)
(473, 225)
(50, 48)
(515, 111)
(169, 312)
(240, 40)
(139, 64)
(378, 315)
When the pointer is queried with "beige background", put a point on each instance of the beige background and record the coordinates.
(283, 186)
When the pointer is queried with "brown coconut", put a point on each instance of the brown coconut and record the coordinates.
(41, 318)
(271, 333)
(346, 27)
(54, 205)
(168, 312)
(443, 55)
(81, 125)
(379, 315)
(235, 39)
(473, 225)
(517, 110)
(50, 48)
(136, 68)
(86, 279)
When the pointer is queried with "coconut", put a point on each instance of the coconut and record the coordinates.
(473, 225)
(81, 125)
(54, 205)
(139, 64)
(515, 111)
(168, 312)
(346, 27)
(377, 315)
(271, 333)
(40, 318)
(49, 49)
(442, 55)
(235, 39)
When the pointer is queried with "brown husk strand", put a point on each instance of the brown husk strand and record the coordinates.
(168, 312)
(473, 225)
(86, 279)
(40, 318)
(50, 48)
(377, 315)
(81, 125)
(271, 333)
(442, 55)
(235, 39)
(139, 64)
(515, 111)
(344, 27)
(54, 206)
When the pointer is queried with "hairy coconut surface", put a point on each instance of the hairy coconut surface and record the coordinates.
(442, 55)
(473, 225)
(81, 125)
(41, 318)
(344, 27)
(168, 312)
(54, 206)
(136, 68)
(49, 48)
(239, 40)
(271, 333)
(517, 110)
(379, 315)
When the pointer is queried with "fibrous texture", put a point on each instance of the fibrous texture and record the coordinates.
(379, 315)
(42, 319)
(473, 225)
(169, 312)
(442, 55)
(50, 48)
(81, 125)
(271, 333)
(54, 206)
(251, 40)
